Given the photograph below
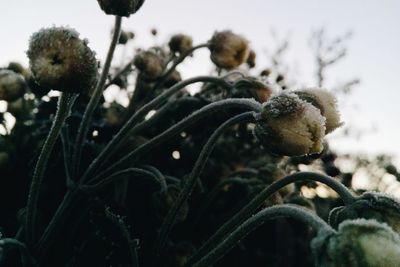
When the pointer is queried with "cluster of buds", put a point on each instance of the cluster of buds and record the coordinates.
(60, 60)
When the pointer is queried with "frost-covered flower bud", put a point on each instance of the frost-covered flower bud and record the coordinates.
(60, 60)
(123, 8)
(12, 85)
(290, 126)
(251, 59)
(228, 50)
(149, 63)
(326, 102)
(358, 243)
(180, 43)
(370, 205)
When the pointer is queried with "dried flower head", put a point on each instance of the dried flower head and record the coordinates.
(12, 85)
(358, 243)
(180, 43)
(290, 126)
(370, 205)
(228, 50)
(60, 60)
(326, 102)
(149, 63)
(123, 8)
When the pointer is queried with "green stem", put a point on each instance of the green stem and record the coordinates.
(256, 221)
(195, 174)
(253, 205)
(64, 106)
(126, 130)
(90, 189)
(26, 257)
(179, 127)
(94, 100)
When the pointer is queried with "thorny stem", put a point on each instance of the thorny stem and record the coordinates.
(64, 105)
(126, 129)
(26, 257)
(195, 174)
(127, 173)
(180, 126)
(94, 100)
(256, 221)
(253, 205)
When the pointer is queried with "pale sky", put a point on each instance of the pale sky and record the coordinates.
(374, 50)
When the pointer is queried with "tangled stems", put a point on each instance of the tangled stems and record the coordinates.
(195, 174)
(26, 257)
(257, 220)
(253, 205)
(94, 100)
(127, 128)
(177, 61)
(179, 127)
(64, 105)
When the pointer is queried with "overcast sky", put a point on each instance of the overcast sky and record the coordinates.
(374, 50)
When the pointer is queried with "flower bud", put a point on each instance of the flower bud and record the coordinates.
(251, 59)
(123, 8)
(61, 61)
(12, 85)
(228, 50)
(149, 63)
(124, 37)
(358, 243)
(326, 102)
(261, 91)
(173, 78)
(180, 43)
(289, 126)
(370, 205)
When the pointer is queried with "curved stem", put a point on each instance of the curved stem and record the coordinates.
(195, 174)
(209, 198)
(94, 100)
(256, 221)
(64, 105)
(126, 129)
(120, 175)
(178, 61)
(180, 126)
(159, 175)
(253, 205)
(26, 257)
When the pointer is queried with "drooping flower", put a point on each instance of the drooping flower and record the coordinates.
(12, 85)
(290, 126)
(123, 8)
(228, 50)
(370, 205)
(60, 60)
(358, 243)
(326, 102)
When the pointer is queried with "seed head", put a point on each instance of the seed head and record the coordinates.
(149, 63)
(228, 50)
(12, 85)
(123, 8)
(289, 126)
(61, 61)
(180, 43)
(358, 243)
(326, 102)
